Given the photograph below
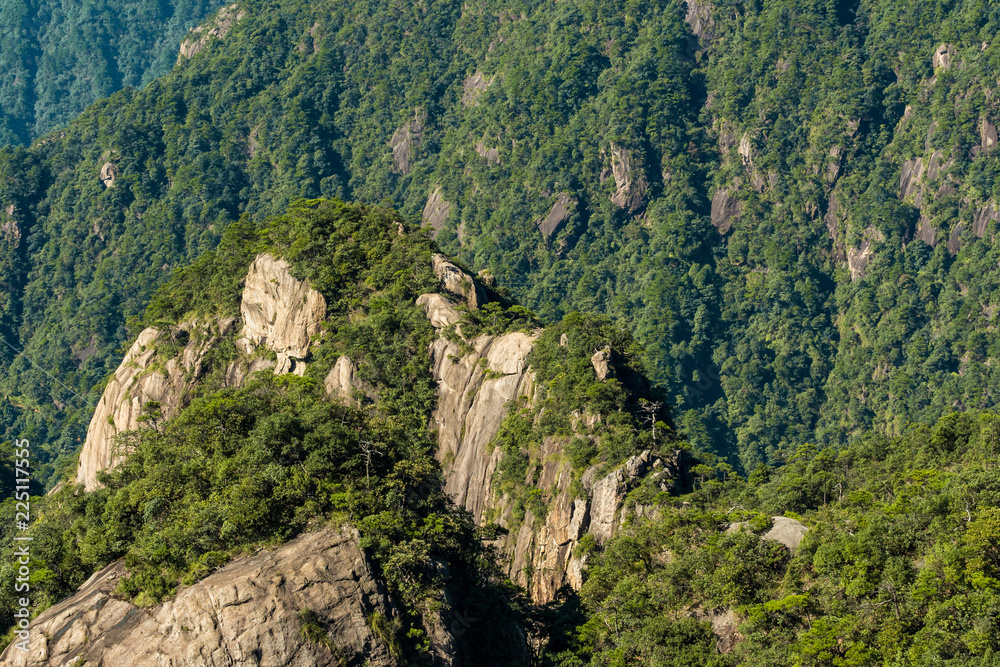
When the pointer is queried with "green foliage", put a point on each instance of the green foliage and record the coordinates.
(907, 577)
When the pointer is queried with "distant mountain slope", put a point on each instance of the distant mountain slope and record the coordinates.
(768, 195)
(57, 58)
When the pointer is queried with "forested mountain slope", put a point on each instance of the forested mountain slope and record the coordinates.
(58, 58)
(766, 194)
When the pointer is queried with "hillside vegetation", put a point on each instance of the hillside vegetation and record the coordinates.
(58, 58)
(792, 210)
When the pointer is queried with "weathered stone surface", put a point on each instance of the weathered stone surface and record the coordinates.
(342, 380)
(784, 530)
(473, 87)
(699, 18)
(405, 140)
(629, 179)
(134, 384)
(246, 613)
(982, 216)
(910, 177)
(725, 209)
(439, 310)
(457, 282)
(471, 407)
(943, 56)
(216, 28)
(609, 492)
(109, 172)
(603, 364)
(955, 239)
(491, 154)
(558, 214)
(279, 312)
(436, 210)
(926, 231)
(987, 134)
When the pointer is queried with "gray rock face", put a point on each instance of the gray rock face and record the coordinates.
(436, 211)
(987, 134)
(725, 209)
(629, 179)
(246, 613)
(279, 312)
(558, 214)
(608, 495)
(457, 282)
(472, 87)
(341, 381)
(699, 18)
(603, 364)
(216, 28)
(405, 140)
(134, 384)
(784, 530)
(109, 172)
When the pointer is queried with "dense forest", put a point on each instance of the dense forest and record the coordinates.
(791, 210)
(58, 58)
(781, 212)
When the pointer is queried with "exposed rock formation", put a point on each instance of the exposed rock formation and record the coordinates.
(473, 87)
(603, 364)
(10, 230)
(981, 218)
(558, 214)
(943, 56)
(492, 155)
(471, 407)
(725, 209)
(784, 530)
(405, 140)
(699, 18)
(987, 134)
(608, 494)
(629, 179)
(218, 27)
(342, 380)
(436, 210)
(138, 381)
(109, 172)
(249, 612)
(457, 282)
(279, 312)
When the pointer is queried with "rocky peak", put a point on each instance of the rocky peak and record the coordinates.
(279, 312)
(249, 612)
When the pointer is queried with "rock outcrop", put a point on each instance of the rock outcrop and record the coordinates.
(405, 141)
(629, 179)
(279, 312)
(725, 209)
(216, 28)
(109, 172)
(249, 612)
(785, 531)
(140, 380)
(558, 214)
(436, 210)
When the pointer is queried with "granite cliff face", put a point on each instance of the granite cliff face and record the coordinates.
(478, 382)
(476, 390)
(257, 610)
(280, 315)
